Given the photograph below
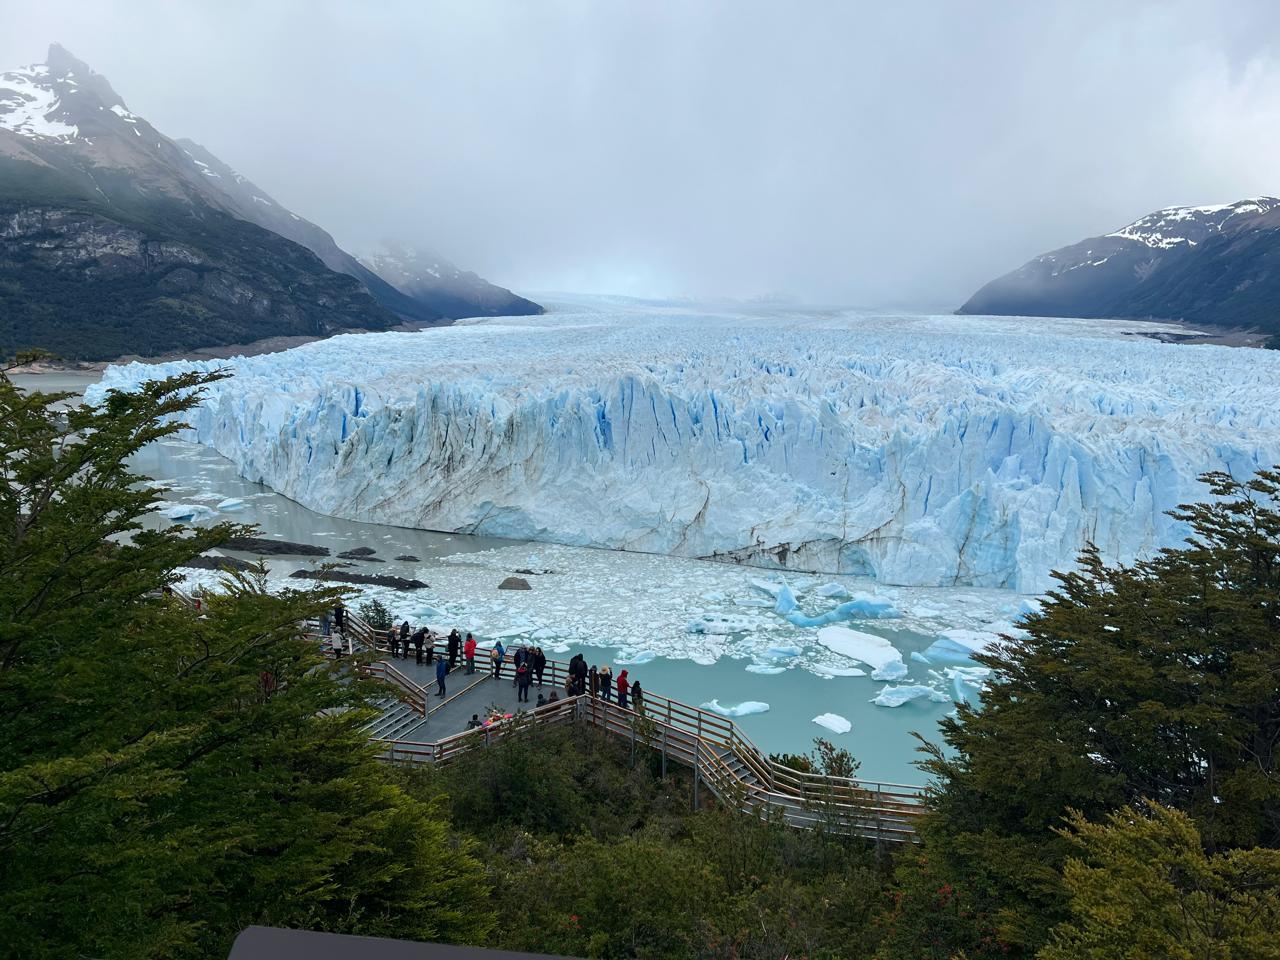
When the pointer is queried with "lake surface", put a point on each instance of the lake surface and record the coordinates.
(692, 630)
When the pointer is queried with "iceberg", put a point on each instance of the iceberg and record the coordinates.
(768, 669)
(833, 722)
(743, 709)
(897, 696)
(231, 503)
(786, 601)
(914, 450)
(876, 652)
(893, 670)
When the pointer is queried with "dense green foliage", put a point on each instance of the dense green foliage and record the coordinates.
(167, 778)
(1154, 682)
(593, 854)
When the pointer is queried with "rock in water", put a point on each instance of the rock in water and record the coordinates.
(408, 557)
(342, 576)
(514, 583)
(357, 553)
(263, 547)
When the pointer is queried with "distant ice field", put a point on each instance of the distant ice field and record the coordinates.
(913, 450)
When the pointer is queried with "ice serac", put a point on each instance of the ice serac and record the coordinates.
(918, 450)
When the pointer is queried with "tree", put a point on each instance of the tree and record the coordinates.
(1141, 887)
(166, 778)
(1155, 680)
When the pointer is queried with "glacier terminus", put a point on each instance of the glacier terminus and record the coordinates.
(917, 450)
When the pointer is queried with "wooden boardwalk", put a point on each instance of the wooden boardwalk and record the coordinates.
(419, 727)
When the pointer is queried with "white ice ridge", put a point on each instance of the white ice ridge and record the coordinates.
(916, 450)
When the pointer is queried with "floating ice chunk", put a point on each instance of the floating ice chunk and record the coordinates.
(875, 652)
(641, 656)
(713, 596)
(863, 606)
(739, 710)
(832, 591)
(919, 657)
(184, 512)
(897, 696)
(822, 670)
(771, 587)
(833, 722)
(784, 651)
(786, 601)
(960, 645)
(231, 503)
(893, 670)
(765, 668)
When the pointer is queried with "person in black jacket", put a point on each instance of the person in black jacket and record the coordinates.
(404, 639)
(340, 617)
(418, 638)
(580, 676)
(539, 664)
(454, 646)
(518, 659)
(593, 681)
(442, 670)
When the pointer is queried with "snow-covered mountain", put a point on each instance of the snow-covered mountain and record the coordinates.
(455, 292)
(918, 450)
(1217, 264)
(115, 238)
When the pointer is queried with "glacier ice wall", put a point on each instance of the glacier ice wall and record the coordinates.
(918, 450)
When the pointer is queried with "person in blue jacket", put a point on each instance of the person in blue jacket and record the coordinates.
(442, 671)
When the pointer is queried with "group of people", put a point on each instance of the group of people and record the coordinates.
(423, 641)
(529, 661)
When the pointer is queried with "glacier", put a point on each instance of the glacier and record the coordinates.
(915, 450)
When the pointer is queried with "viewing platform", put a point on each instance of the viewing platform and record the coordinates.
(417, 726)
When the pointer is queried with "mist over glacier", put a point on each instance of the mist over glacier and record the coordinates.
(915, 450)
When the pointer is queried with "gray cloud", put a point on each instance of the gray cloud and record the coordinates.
(840, 152)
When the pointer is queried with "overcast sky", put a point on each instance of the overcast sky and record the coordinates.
(839, 152)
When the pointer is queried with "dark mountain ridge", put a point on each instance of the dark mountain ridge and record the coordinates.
(1215, 265)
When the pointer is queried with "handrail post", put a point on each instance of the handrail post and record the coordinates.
(664, 753)
(697, 770)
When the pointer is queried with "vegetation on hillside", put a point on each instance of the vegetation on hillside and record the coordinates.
(167, 778)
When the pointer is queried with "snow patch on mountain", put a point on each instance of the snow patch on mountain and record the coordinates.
(30, 106)
(1174, 226)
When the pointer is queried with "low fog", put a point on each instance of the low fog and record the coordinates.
(868, 154)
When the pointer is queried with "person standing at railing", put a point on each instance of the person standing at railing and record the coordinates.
(418, 639)
(623, 686)
(524, 675)
(469, 653)
(454, 646)
(393, 640)
(593, 681)
(496, 656)
(539, 663)
(404, 640)
(517, 659)
(606, 683)
(326, 624)
(442, 671)
(340, 617)
(569, 685)
(637, 698)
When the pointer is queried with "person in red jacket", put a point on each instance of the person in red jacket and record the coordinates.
(469, 653)
(623, 685)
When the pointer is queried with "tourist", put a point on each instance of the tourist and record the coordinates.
(637, 698)
(454, 646)
(580, 676)
(474, 722)
(517, 659)
(404, 639)
(392, 641)
(326, 623)
(523, 677)
(570, 685)
(606, 683)
(442, 671)
(335, 644)
(340, 617)
(469, 653)
(623, 685)
(593, 681)
(418, 638)
(542, 701)
(554, 698)
(539, 663)
(498, 655)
